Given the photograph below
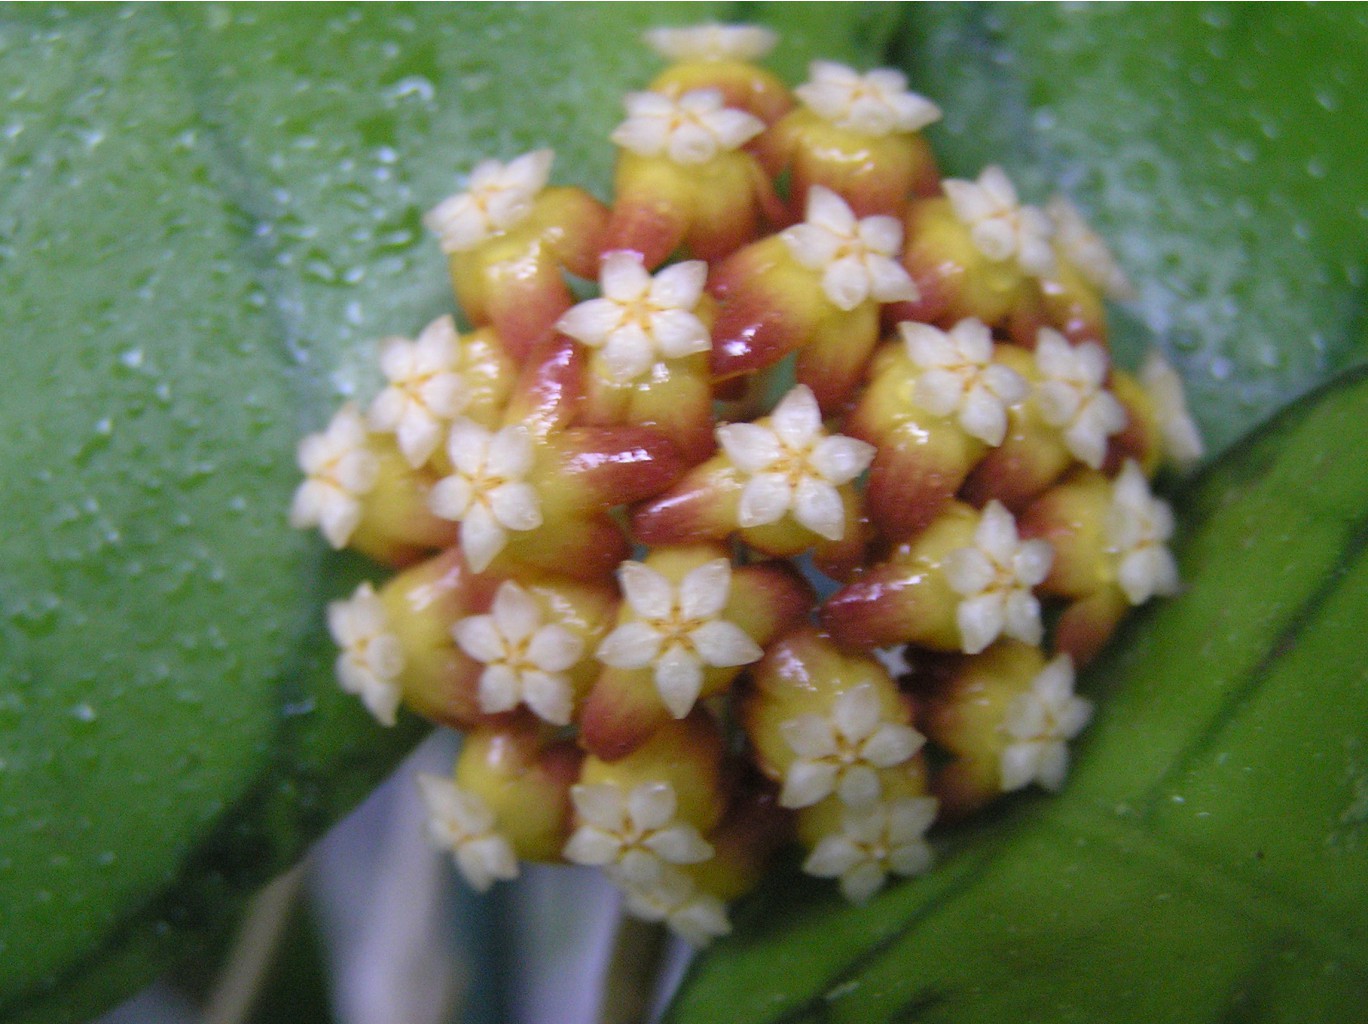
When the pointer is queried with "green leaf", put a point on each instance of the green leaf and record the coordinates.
(210, 215)
(1208, 858)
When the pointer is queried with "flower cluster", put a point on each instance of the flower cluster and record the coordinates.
(807, 346)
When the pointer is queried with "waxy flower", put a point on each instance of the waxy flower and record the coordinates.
(1000, 226)
(888, 837)
(1137, 529)
(632, 833)
(425, 392)
(1071, 396)
(641, 319)
(857, 258)
(672, 897)
(876, 103)
(500, 197)
(994, 579)
(677, 631)
(840, 753)
(459, 821)
(690, 129)
(339, 469)
(712, 42)
(487, 494)
(1038, 725)
(1181, 440)
(509, 240)
(372, 657)
(1085, 250)
(960, 379)
(525, 658)
(793, 466)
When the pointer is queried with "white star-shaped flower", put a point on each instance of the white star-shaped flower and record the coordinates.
(372, 656)
(877, 103)
(673, 898)
(959, 378)
(794, 465)
(525, 659)
(641, 319)
(994, 578)
(632, 835)
(689, 130)
(858, 258)
(1070, 395)
(339, 470)
(712, 42)
(888, 837)
(461, 822)
(425, 393)
(487, 494)
(842, 753)
(1085, 249)
(500, 196)
(677, 631)
(1039, 723)
(1000, 226)
(1137, 530)
(1182, 440)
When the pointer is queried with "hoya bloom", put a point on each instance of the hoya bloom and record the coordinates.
(857, 258)
(934, 406)
(1039, 723)
(425, 392)
(1179, 441)
(841, 752)
(500, 197)
(677, 631)
(994, 578)
(1072, 397)
(959, 378)
(340, 468)
(887, 837)
(372, 656)
(876, 103)
(816, 288)
(632, 833)
(792, 466)
(1001, 227)
(1137, 529)
(487, 494)
(682, 178)
(674, 899)
(508, 239)
(525, 658)
(1085, 251)
(712, 42)
(460, 822)
(689, 129)
(856, 134)
(689, 622)
(641, 319)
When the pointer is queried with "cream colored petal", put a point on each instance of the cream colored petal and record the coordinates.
(818, 506)
(631, 645)
(797, 420)
(855, 712)
(1021, 617)
(750, 447)
(555, 648)
(622, 278)
(679, 844)
(1053, 766)
(451, 497)
(861, 882)
(651, 805)
(468, 447)
(548, 695)
(809, 736)
(983, 415)
(891, 744)
(678, 679)
(859, 787)
(704, 591)
(600, 805)
(968, 571)
(1032, 561)
(516, 506)
(679, 286)
(833, 856)
(1017, 765)
(650, 594)
(678, 333)
(591, 322)
(725, 645)
(482, 537)
(808, 782)
(840, 459)
(592, 847)
(510, 452)
(499, 689)
(480, 638)
(846, 282)
(889, 281)
(628, 353)
(485, 860)
(764, 499)
(981, 620)
(515, 612)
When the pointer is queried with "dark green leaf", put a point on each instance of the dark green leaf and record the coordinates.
(209, 216)
(1208, 858)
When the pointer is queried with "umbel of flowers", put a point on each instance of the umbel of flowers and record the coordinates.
(806, 345)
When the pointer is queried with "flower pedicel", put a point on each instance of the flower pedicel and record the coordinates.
(597, 508)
